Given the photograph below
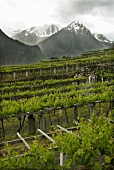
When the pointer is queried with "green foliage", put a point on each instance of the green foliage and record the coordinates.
(91, 146)
(58, 98)
(38, 157)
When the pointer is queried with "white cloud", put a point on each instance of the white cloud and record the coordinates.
(96, 23)
(30, 12)
(97, 15)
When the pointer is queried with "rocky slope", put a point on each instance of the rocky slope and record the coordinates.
(101, 38)
(35, 35)
(14, 52)
(72, 40)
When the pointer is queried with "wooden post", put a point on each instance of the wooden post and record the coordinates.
(31, 124)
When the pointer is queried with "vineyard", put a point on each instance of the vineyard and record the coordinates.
(58, 113)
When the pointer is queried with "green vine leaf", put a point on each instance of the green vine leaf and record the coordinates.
(107, 159)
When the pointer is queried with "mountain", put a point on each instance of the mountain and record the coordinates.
(13, 52)
(10, 31)
(112, 47)
(35, 35)
(72, 40)
(102, 38)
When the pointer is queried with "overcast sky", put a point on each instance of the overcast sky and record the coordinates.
(97, 15)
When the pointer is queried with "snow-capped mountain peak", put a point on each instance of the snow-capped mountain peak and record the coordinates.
(76, 27)
(44, 31)
(102, 38)
(34, 35)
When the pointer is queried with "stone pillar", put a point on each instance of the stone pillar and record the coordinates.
(31, 124)
(60, 112)
(63, 69)
(33, 71)
(102, 79)
(0, 75)
(82, 69)
(1, 133)
(54, 70)
(27, 73)
(40, 72)
(50, 70)
(72, 68)
(91, 109)
(66, 69)
(112, 104)
(75, 109)
(42, 122)
(77, 67)
(89, 78)
(14, 74)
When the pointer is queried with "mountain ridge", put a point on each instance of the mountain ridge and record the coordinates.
(34, 35)
(102, 38)
(14, 52)
(72, 40)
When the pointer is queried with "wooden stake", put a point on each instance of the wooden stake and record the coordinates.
(26, 144)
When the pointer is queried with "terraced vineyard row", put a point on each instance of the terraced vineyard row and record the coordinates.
(56, 98)
(62, 62)
(57, 93)
(61, 91)
(31, 91)
(76, 65)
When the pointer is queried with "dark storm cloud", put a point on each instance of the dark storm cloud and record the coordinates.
(68, 9)
(86, 6)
